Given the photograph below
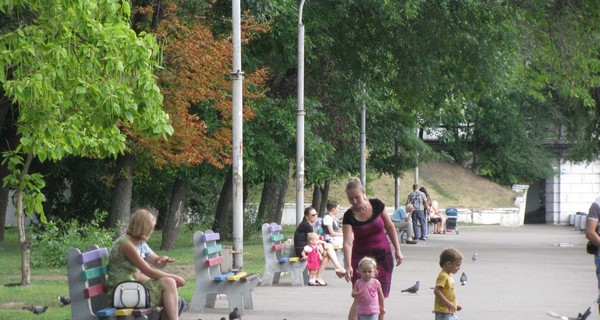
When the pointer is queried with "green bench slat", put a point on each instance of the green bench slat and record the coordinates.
(277, 237)
(213, 249)
(94, 273)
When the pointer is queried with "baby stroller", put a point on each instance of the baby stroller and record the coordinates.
(451, 220)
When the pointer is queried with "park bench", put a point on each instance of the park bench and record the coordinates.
(276, 261)
(210, 281)
(86, 274)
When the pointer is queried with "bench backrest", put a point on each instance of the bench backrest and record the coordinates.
(87, 278)
(209, 255)
(273, 241)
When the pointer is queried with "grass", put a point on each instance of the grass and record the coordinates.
(49, 283)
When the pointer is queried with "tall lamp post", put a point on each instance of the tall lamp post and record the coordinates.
(237, 77)
(300, 121)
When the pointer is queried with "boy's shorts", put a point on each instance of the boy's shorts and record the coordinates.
(445, 316)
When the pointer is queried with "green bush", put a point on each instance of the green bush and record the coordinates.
(50, 245)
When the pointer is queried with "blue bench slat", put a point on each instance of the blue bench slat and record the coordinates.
(284, 259)
(274, 228)
(92, 255)
(107, 312)
(223, 277)
(211, 237)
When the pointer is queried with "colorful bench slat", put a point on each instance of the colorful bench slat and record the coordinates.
(94, 291)
(223, 277)
(277, 237)
(279, 246)
(294, 259)
(275, 227)
(94, 273)
(142, 312)
(213, 249)
(92, 255)
(249, 277)
(106, 312)
(123, 312)
(210, 282)
(214, 261)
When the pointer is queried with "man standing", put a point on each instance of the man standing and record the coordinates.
(419, 202)
(402, 220)
(592, 232)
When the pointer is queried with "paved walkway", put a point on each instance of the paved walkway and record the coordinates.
(521, 274)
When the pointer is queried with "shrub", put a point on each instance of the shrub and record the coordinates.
(50, 245)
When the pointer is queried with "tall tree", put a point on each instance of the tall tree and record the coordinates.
(80, 78)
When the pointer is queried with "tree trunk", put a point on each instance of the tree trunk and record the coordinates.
(173, 218)
(120, 204)
(224, 213)
(24, 240)
(320, 197)
(268, 202)
(281, 202)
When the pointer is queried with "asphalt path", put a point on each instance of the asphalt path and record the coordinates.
(521, 273)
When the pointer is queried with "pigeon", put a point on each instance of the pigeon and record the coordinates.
(580, 316)
(463, 279)
(474, 257)
(36, 309)
(64, 300)
(235, 314)
(413, 289)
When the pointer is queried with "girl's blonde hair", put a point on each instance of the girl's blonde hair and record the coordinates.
(311, 236)
(141, 224)
(365, 261)
(450, 255)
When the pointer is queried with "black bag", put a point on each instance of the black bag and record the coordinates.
(591, 248)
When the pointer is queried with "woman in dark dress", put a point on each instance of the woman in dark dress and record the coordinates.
(364, 227)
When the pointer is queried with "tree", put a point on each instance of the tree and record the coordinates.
(81, 78)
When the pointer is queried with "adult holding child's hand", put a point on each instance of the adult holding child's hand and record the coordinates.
(365, 225)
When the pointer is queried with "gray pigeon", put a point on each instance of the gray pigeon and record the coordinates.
(474, 257)
(463, 279)
(64, 300)
(235, 314)
(413, 289)
(36, 309)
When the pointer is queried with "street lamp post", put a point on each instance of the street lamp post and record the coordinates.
(300, 121)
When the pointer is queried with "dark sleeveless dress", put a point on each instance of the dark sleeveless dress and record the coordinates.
(370, 240)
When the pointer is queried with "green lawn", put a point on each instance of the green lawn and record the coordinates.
(49, 283)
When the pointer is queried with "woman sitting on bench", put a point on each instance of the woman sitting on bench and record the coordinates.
(301, 240)
(125, 263)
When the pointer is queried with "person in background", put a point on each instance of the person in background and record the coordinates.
(437, 218)
(402, 220)
(331, 224)
(419, 202)
(445, 306)
(592, 233)
(125, 263)
(366, 227)
(301, 240)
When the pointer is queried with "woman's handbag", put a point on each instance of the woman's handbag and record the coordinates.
(131, 294)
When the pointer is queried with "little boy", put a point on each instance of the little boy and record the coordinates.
(445, 306)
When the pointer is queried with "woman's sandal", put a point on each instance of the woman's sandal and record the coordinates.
(320, 282)
(340, 273)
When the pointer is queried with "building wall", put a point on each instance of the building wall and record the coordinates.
(573, 189)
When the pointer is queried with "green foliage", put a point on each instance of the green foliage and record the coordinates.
(57, 236)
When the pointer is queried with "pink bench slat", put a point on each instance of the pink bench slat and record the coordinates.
(93, 291)
(279, 246)
(214, 261)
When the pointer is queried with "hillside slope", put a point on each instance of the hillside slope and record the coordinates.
(450, 184)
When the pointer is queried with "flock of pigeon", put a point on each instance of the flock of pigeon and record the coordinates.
(41, 309)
